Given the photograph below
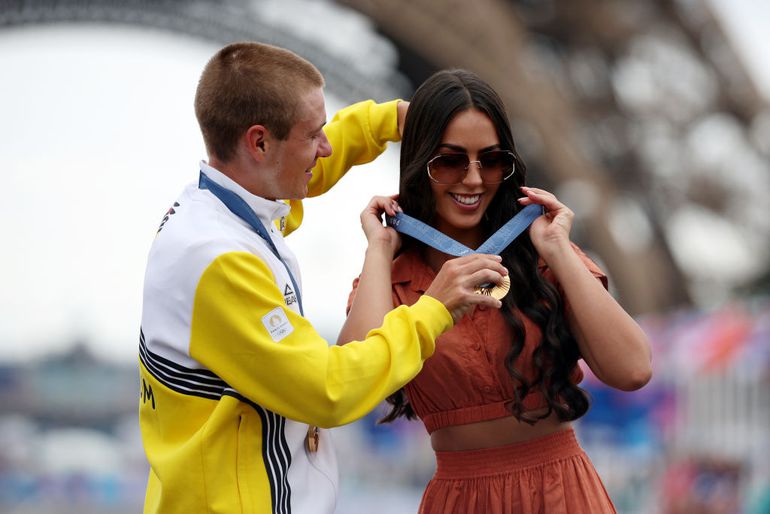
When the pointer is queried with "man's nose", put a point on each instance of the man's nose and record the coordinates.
(325, 147)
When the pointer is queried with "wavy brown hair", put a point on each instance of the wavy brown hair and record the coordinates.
(435, 103)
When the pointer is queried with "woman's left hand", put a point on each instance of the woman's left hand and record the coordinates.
(371, 222)
(551, 230)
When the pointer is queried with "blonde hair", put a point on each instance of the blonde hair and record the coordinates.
(247, 84)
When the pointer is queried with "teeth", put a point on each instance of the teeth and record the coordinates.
(466, 199)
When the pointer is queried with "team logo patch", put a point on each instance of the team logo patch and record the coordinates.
(277, 324)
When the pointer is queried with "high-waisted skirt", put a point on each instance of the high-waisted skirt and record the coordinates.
(548, 475)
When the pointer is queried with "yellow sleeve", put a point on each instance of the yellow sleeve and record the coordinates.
(357, 134)
(242, 331)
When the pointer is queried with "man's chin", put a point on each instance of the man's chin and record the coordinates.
(298, 196)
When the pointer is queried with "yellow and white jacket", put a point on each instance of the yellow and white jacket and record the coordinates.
(232, 375)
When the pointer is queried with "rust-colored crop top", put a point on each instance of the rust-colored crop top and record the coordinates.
(466, 381)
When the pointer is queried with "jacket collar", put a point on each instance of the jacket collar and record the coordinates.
(269, 210)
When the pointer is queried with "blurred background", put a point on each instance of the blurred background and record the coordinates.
(649, 119)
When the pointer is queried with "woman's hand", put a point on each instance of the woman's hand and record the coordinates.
(373, 297)
(371, 222)
(550, 232)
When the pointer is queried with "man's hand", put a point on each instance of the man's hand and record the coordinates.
(456, 282)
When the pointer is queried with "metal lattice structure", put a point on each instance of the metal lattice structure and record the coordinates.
(570, 74)
(222, 22)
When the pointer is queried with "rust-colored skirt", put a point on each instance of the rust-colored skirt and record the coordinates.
(548, 475)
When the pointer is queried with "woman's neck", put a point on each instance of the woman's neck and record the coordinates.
(434, 258)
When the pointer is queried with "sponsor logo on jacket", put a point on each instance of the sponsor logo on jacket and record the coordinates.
(288, 295)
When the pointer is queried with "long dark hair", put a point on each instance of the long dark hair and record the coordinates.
(435, 103)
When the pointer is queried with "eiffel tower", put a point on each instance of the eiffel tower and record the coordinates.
(613, 103)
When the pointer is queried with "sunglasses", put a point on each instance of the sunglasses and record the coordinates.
(451, 168)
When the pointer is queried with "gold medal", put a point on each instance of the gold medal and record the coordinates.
(311, 441)
(497, 291)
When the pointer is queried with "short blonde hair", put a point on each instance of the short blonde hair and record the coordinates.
(247, 84)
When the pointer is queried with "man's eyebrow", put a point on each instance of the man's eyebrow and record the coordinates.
(319, 129)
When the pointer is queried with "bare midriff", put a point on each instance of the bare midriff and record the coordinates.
(492, 433)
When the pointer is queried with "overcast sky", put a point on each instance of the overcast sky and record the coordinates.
(747, 22)
(98, 137)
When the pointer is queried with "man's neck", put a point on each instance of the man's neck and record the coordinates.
(236, 172)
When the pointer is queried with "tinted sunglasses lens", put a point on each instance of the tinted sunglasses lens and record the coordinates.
(496, 166)
(448, 169)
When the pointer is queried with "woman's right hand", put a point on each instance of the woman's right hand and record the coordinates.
(376, 233)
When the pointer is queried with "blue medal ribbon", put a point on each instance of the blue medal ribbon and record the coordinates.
(496, 243)
(240, 208)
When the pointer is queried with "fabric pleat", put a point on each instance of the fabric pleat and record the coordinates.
(548, 475)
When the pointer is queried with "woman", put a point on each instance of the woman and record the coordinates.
(500, 393)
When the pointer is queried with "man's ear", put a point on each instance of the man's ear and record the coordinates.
(257, 139)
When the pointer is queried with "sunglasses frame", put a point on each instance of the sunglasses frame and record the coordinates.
(467, 167)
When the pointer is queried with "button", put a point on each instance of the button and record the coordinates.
(482, 307)
(487, 389)
(477, 347)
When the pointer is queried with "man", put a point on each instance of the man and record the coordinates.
(234, 380)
